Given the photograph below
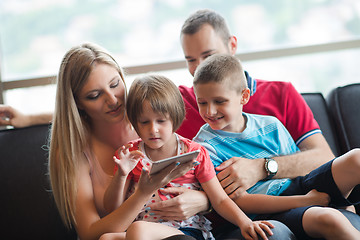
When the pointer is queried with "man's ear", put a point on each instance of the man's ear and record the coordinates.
(233, 45)
(245, 96)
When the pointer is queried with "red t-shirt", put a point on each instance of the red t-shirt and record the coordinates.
(274, 98)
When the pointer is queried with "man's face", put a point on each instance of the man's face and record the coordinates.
(197, 47)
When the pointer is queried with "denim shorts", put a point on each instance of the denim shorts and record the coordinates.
(193, 232)
(320, 179)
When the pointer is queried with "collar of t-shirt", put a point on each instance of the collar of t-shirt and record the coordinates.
(251, 83)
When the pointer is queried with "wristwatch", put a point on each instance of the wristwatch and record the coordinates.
(271, 167)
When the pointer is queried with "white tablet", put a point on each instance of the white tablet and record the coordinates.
(182, 158)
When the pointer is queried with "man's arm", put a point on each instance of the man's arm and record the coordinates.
(314, 152)
(10, 116)
(238, 174)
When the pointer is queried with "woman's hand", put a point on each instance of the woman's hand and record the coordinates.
(150, 183)
(187, 203)
(9, 116)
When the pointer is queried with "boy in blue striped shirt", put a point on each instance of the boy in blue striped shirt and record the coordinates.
(221, 91)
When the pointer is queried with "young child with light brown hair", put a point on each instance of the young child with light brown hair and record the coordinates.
(156, 109)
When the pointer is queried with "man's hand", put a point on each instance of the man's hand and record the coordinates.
(9, 116)
(186, 204)
(238, 174)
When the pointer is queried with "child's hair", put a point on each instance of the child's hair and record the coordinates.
(205, 16)
(163, 96)
(221, 68)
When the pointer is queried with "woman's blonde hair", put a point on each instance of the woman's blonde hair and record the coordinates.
(163, 96)
(71, 126)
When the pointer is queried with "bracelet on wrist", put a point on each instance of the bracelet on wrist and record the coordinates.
(207, 211)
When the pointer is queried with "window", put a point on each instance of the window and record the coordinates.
(35, 34)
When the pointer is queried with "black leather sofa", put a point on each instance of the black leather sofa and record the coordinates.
(28, 209)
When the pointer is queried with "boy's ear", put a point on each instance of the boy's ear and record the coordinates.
(245, 96)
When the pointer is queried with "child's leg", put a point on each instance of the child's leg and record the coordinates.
(141, 230)
(113, 236)
(346, 171)
(328, 223)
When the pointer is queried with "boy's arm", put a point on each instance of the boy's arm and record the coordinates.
(262, 204)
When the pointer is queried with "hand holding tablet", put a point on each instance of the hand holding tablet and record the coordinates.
(182, 158)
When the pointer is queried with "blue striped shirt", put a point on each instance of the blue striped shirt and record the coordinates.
(264, 136)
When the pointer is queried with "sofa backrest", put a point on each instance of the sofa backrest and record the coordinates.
(344, 105)
(28, 209)
(318, 106)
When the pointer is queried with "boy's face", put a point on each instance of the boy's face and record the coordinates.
(202, 44)
(220, 106)
(154, 128)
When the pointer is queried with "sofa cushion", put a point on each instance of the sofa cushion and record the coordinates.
(29, 211)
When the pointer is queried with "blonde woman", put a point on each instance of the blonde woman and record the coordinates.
(89, 125)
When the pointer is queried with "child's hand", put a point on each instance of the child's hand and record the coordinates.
(256, 229)
(127, 160)
(316, 198)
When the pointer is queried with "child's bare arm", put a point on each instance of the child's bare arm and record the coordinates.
(228, 209)
(261, 203)
(115, 193)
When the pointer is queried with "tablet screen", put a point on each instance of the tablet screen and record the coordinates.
(182, 158)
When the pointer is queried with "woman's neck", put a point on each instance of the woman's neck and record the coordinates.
(114, 134)
(106, 139)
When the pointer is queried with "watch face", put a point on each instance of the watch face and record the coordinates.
(272, 166)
